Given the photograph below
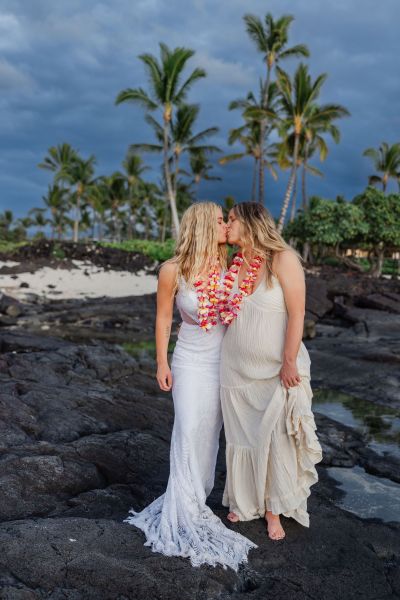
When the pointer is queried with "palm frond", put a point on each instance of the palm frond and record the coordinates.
(137, 96)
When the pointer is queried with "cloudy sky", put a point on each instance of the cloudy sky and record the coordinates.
(62, 64)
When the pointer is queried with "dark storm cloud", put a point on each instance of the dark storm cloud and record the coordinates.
(62, 64)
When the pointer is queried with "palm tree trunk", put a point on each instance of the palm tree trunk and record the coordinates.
(293, 211)
(77, 217)
(176, 173)
(171, 196)
(100, 229)
(303, 179)
(164, 224)
(290, 185)
(132, 215)
(261, 173)
(261, 180)
(254, 183)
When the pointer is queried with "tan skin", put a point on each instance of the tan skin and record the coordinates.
(288, 270)
(165, 305)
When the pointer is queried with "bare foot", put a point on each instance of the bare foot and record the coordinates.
(232, 517)
(275, 529)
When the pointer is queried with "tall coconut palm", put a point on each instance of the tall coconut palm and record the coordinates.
(248, 135)
(6, 223)
(271, 39)
(311, 142)
(38, 218)
(181, 139)
(115, 190)
(386, 161)
(201, 167)
(59, 160)
(283, 154)
(166, 91)
(133, 170)
(99, 200)
(56, 202)
(80, 174)
(300, 113)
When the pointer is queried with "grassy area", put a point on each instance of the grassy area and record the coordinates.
(6, 247)
(156, 250)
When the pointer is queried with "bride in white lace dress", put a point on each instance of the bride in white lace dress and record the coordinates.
(179, 523)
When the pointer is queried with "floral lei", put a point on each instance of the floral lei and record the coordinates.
(208, 300)
(214, 300)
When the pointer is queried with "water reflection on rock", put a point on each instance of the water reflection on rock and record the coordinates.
(380, 424)
(366, 495)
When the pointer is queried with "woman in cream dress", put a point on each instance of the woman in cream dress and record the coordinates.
(272, 447)
(179, 523)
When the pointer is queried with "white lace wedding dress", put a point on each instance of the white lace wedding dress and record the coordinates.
(179, 523)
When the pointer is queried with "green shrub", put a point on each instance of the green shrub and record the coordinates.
(159, 251)
(58, 252)
(6, 246)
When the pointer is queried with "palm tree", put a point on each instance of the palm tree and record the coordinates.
(386, 161)
(311, 142)
(6, 222)
(181, 139)
(133, 170)
(99, 200)
(56, 203)
(249, 134)
(283, 154)
(59, 160)
(166, 91)
(271, 39)
(25, 222)
(201, 167)
(116, 195)
(38, 219)
(80, 174)
(300, 114)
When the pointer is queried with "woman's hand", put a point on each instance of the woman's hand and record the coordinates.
(164, 377)
(289, 374)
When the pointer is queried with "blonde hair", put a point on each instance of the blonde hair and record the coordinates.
(258, 231)
(197, 247)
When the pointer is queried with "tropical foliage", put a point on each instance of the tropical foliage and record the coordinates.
(371, 222)
(284, 129)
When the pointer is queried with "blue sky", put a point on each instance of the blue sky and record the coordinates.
(63, 63)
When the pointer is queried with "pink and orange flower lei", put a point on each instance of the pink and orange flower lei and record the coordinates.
(229, 306)
(208, 300)
(215, 300)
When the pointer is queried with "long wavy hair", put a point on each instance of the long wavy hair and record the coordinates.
(197, 247)
(258, 231)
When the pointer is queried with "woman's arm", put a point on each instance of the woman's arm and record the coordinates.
(291, 276)
(165, 305)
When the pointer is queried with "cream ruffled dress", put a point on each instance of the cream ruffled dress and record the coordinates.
(272, 447)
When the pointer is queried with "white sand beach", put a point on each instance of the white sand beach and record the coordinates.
(84, 281)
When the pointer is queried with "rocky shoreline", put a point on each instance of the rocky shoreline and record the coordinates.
(85, 436)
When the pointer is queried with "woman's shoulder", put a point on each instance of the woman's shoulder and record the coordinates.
(169, 268)
(167, 275)
(285, 261)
